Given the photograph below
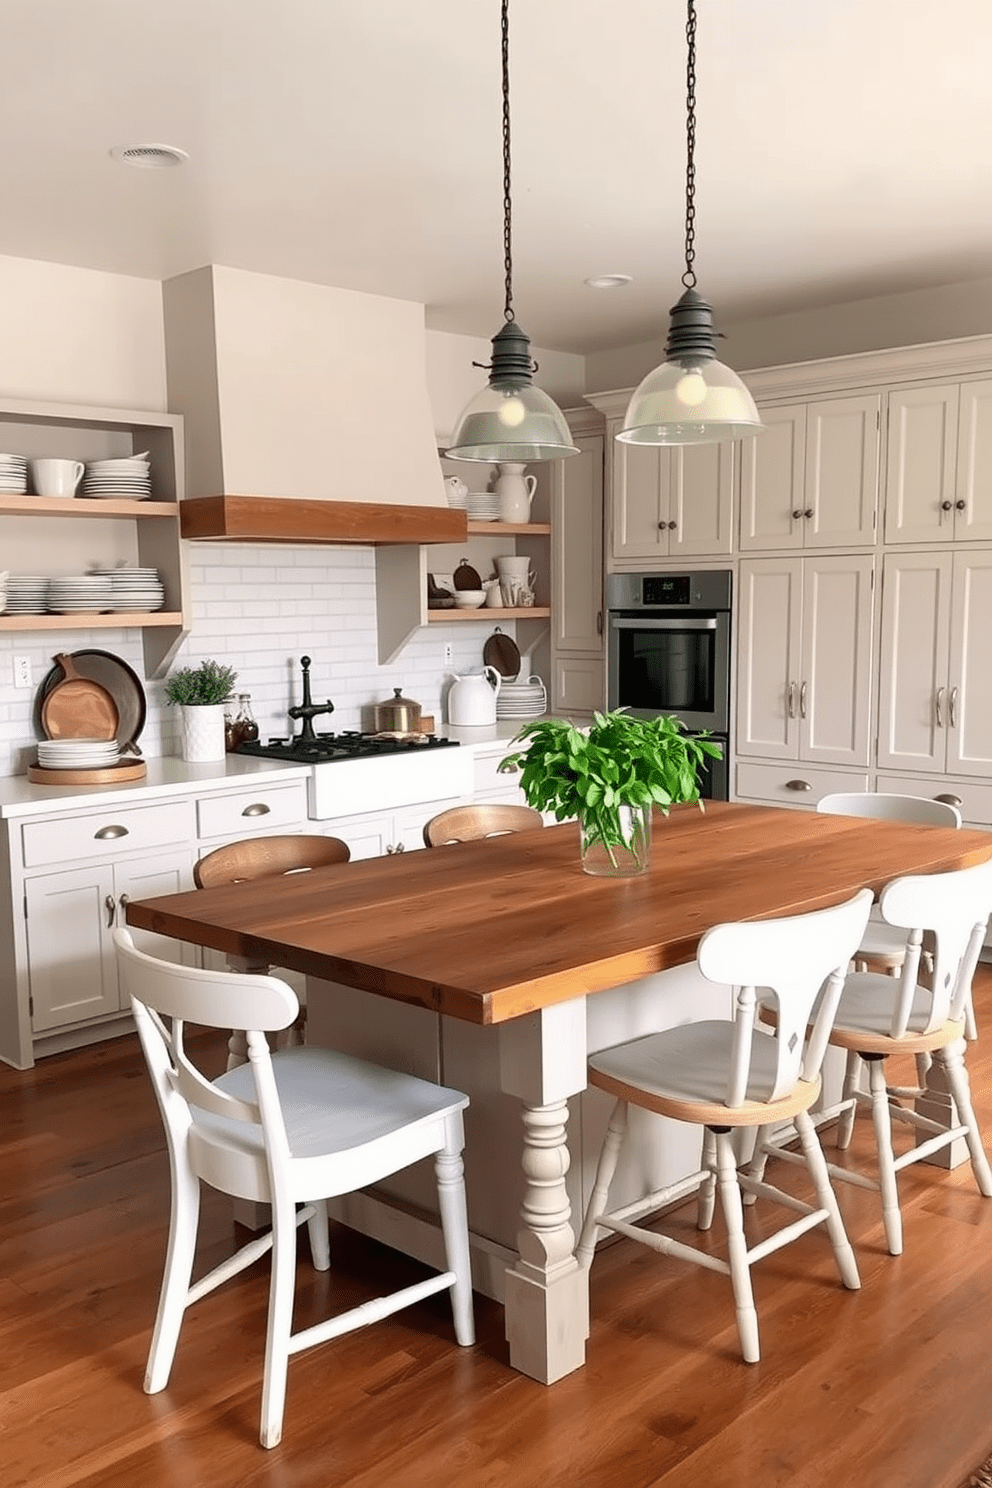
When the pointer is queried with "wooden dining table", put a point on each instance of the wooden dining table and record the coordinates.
(511, 935)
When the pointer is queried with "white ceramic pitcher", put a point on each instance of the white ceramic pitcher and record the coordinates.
(515, 491)
(472, 699)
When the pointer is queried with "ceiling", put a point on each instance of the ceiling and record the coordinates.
(844, 149)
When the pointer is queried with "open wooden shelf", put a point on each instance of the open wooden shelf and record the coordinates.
(118, 621)
(82, 506)
(485, 612)
(497, 529)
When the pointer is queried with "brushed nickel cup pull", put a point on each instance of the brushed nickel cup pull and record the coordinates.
(798, 785)
(952, 707)
(939, 706)
(259, 808)
(949, 799)
(107, 834)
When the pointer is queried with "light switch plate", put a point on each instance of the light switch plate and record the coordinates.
(22, 671)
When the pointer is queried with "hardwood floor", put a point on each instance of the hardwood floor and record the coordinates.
(888, 1387)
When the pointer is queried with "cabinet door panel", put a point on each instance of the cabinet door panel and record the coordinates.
(702, 499)
(772, 466)
(974, 466)
(579, 684)
(921, 450)
(768, 655)
(835, 693)
(969, 708)
(70, 956)
(169, 874)
(577, 537)
(640, 501)
(841, 480)
(916, 611)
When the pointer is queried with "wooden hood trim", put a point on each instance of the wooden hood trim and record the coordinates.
(277, 519)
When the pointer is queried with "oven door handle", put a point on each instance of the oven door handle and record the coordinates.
(619, 623)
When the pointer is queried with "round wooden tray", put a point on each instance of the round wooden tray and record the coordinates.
(103, 775)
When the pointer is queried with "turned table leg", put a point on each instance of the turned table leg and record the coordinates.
(542, 1062)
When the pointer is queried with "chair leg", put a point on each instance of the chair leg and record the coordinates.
(759, 1161)
(176, 1279)
(605, 1169)
(281, 1287)
(707, 1189)
(852, 1083)
(740, 1269)
(450, 1172)
(891, 1216)
(320, 1248)
(817, 1164)
(952, 1061)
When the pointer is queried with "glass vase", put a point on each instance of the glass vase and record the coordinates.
(617, 844)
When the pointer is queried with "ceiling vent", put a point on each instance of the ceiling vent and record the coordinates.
(149, 157)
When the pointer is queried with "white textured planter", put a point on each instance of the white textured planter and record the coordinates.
(203, 732)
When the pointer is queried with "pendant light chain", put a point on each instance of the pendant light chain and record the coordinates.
(689, 277)
(507, 203)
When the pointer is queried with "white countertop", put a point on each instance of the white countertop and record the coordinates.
(20, 797)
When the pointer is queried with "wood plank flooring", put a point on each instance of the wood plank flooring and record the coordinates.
(889, 1387)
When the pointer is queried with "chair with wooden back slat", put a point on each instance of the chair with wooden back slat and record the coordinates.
(728, 1074)
(469, 823)
(290, 1128)
(264, 857)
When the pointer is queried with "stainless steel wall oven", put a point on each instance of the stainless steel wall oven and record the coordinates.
(668, 651)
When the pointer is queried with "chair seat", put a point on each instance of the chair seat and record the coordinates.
(864, 1018)
(682, 1073)
(882, 942)
(333, 1106)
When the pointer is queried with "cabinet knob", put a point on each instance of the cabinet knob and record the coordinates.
(107, 834)
(960, 505)
(672, 526)
(797, 514)
(798, 785)
(662, 526)
(945, 506)
(809, 513)
(258, 808)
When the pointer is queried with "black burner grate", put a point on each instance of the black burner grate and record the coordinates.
(328, 748)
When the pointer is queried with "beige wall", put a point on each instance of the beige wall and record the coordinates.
(72, 335)
(940, 314)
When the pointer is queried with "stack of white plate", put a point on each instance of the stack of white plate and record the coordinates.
(27, 594)
(3, 590)
(526, 699)
(482, 506)
(80, 594)
(78, 754)
(13, 474)
(134, 589)
(118, 480)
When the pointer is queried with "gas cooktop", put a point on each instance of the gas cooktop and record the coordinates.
(328, 748)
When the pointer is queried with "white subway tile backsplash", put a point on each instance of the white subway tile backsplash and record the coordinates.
(260, 614)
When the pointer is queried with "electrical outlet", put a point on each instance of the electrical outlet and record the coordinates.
(22, 671)
(449, 653)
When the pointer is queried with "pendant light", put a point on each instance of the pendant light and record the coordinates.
(691, 398)
(511, 419)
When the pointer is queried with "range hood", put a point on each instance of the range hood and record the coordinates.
(281, 519)
(280, 384)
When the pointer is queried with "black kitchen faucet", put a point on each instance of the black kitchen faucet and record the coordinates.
(308, 710)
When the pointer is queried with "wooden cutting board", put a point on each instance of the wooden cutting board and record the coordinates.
(78, 708)
(102, 775)
(502, 652)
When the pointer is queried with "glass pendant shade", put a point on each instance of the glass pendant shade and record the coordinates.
(511, 423)
(689, 403)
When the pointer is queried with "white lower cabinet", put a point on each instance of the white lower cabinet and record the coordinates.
(389, 832)
(792, 785)
(70, 918)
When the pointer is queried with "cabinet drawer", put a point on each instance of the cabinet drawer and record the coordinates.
(105, 834)
(486, 775)
(973, 801)
(795, 784)
(260, 808)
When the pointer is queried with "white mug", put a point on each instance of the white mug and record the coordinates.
(56, 477)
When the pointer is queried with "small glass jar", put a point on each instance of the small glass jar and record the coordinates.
(232, 736)
(244, 723)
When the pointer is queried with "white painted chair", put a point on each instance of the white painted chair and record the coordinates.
(883, 947)
(295, 1127)
(732, 1074)
(879, 1015)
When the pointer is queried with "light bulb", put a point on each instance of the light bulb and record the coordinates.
(691, 389)
(512, 412)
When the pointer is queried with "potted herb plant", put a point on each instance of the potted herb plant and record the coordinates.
(609, 776)
(200, 693)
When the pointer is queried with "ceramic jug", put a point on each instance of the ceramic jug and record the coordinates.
(456, 491)
(472, 699)
(515, 491)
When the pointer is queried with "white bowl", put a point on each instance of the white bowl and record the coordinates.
(469, 599)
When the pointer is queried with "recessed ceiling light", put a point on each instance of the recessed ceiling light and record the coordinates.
(607, 281)
(150, 157)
